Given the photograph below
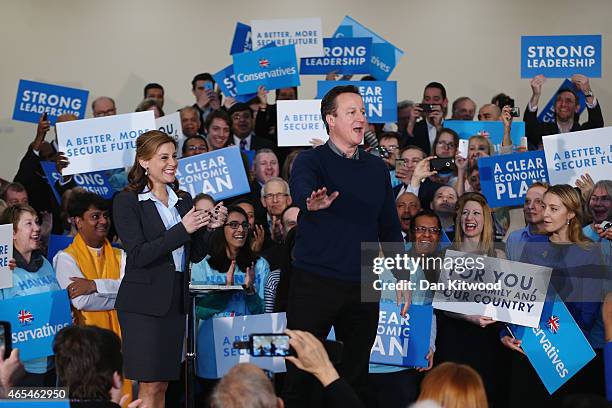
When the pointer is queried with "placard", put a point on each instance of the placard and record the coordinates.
(242, 39)
(227, 82)
(272, 67)
(96, 182)
(35, 98)
(306, 34)
(343, 55)
(171, 125)
(102, 143)
(6, 253)
(299, 121)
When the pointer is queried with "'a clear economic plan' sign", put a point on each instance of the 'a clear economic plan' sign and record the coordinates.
(561, 56)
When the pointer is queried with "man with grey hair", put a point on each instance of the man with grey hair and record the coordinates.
(103, 106)
(463, 109)
(275, 197)
(245, 386)
(265, 166)
(190, 121)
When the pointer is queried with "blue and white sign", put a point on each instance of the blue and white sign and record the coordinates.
(219, 173)
(216, 354)
(242, 39)
(379, 97)
(385, 55)
(343, 55)
(227, 82)
(504, 179)
(306, 34)
(570, 155)
(35, 320)
(493, 130)
(272, 67)
(547, 115)
(298, 122)
(102, 143)
(557, 349)
(6, 253)
(96, 182)
(561, 56)
(402, 341)
(35, 98)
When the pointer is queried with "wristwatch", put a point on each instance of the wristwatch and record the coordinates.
(588, 93)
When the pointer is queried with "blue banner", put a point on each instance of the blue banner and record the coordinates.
(96, 182)
(402, 341)
(58, 243)
(493, 130)
(227, 82)
(219, 173)
(385, 55)
(35, 98)
(557, 349)
(272, 67)
(379, 97)
(242, 39)
(344, 55)
(561, 56)
(547, 115)
(35, 320)
(504, 179)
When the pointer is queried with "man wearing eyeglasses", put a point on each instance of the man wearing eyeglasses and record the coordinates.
(103, 106)
(275, 197)
(345, 199)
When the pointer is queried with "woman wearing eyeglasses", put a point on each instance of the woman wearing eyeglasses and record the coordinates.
(230, 262)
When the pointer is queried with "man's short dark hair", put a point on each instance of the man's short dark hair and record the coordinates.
(218, 114)
(412, 147)
(328, 103)
(390, 135)
(423, 213)
(295, 89)
(152, 85)
(14, 186)
(86, 358)
(185, 145)
(201, 77)
(439, 86)
(81, 201)
(240, 107)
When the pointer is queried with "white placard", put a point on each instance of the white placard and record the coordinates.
(171, 125)
(570, 155)
(519, 299)
(6, 253)
(305, 33)
(102, 143)
(298, 122)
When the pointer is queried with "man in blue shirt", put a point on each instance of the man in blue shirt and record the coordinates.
(533, 208)
(345, 199)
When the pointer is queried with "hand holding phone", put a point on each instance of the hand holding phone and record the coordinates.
(462, 150)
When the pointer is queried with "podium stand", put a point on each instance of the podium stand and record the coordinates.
(196, 290)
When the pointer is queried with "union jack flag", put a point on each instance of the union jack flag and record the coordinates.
(25, 317)
(553, 324)
(264, 63)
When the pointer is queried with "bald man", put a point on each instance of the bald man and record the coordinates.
(489, 113)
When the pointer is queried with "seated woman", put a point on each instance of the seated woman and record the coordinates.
(33, 275)
(230, 262)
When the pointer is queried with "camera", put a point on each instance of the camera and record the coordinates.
(383, 152)
(427, 107)
(515, 112)
(442, 164)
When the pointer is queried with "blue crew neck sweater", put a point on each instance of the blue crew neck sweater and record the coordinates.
(328, 242)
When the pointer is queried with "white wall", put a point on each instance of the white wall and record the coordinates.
(115, 47)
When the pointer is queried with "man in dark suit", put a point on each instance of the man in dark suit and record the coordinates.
(424, 122)
(414, 175)
(242, 129)
(567, 107)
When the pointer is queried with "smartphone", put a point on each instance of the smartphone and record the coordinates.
(462, 150)
(399, 163)
(427, 107)
(209, 86)
(442, 164)
(5, 338)
(269, 345)
(515, 112)
(45, 116)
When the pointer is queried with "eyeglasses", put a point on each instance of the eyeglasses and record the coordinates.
(431, 230)
(201, 148)
(235, 224)
(449, 145)
(276, 196)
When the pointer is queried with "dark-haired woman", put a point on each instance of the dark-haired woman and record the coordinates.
(161, 232)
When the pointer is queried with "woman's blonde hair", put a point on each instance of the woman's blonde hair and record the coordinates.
(570, 198)
(485, 139)
(486, 244)
(454, 386)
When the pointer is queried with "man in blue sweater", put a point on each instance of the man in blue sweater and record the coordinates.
(345, 199)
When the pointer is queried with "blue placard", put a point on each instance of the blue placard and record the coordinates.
(58, 243)
(379, 97)
(219, 173)
(493, 130)
(96, 182)
(35, 98)
(35, 320)
(272, 67)
(343, 55)
(561, 56)
(504, 179)
(385, 55)
(227, 82)
(242, 39)
(547, 115)
(402, 341)
(557, 349)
